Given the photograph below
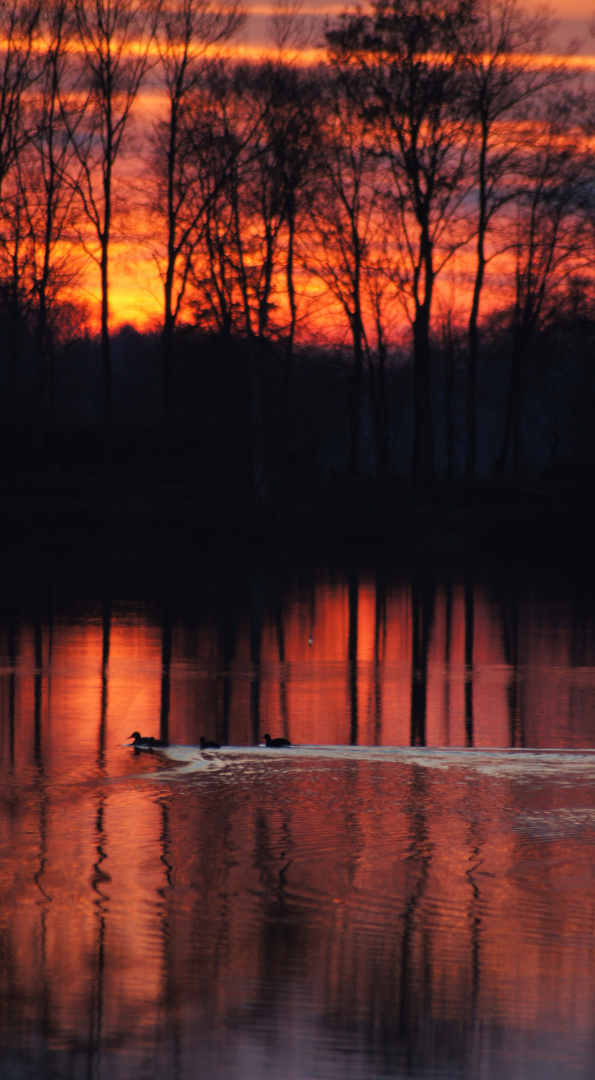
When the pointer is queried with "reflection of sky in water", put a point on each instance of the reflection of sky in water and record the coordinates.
(325, 912)
(332, 914)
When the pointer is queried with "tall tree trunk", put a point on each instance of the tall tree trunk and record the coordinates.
(167, 343)
(473, 357)
(106, 348)
(169, 317)
(517, 417)
(355, 400)
(471, 391)
(288, 371)
(382, 421)
(258, 454)
(44, 347)
(422, 466)
(512, 415)
(449, 391)
(379, 406)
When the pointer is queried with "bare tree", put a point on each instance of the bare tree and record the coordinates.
(16, 296)
(214, 147)
(250, 167)
(383, 309)
(343, 209)
(259, 210)
(290, 30)
(47, 174)
(186, 30)
(551, 246)
(18, 29)
(292, 121)
(411, 83)
(115, 37)
(499, 51)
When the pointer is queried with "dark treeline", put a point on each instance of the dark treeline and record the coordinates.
(377, 263)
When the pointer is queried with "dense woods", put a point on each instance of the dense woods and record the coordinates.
(378, 262)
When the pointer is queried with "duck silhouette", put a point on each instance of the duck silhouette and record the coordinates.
(206, 744)
(275, 742)
(145, 742)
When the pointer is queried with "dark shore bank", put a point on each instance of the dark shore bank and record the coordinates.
(538, 517)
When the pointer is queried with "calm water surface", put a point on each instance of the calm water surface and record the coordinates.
(409, 891)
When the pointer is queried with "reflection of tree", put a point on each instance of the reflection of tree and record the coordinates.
(227, 648)
(99, 879)
(415, 984)
(43, 799)
(422, 617)
(514, 693)
(469, 635)
(106, 625)
(38, 687)
(447, 651)
(166, 648)
(475, 844)
(255, 647)
(11, 648)
(353, 595)
(166, 916)
(280, 630)
(380, 623)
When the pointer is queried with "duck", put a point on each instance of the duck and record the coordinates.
(145, 742)
(206, 744)
(275, 742)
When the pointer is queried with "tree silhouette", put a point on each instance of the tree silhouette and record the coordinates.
(18, 31)
(551, 245)
(115, 38)
(185, 32)
(48, 171)
(342, 210)
(410, 85)
(498, 49)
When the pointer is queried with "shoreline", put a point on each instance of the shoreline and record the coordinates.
(539, 515)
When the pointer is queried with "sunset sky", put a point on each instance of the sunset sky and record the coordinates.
(136, 293)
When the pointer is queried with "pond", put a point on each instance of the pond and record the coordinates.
(406, 891)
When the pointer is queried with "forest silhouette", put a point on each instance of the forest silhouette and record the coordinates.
(374, 265)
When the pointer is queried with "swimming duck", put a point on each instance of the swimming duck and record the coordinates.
(145, 742)
(206, 744)
(275, 742)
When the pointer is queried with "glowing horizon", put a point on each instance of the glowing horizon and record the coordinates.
(136, 289)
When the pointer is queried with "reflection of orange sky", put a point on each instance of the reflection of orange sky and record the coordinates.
(389, 893)
(313, 693)
(91, 855)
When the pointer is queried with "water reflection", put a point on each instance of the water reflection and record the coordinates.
(352, 659)
(344, 912)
